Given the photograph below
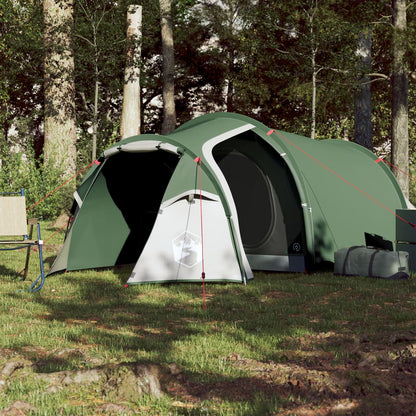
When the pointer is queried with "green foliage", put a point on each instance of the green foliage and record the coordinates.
(21, 64)
(20, 170)
(99, 64)
(275, 84)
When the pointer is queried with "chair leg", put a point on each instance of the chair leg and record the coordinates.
(26, 269)
(39, 282)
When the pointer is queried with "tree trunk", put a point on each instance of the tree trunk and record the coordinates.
(130, 116)
(400, 129)
(230, 96)
(363, 129)
(230, 83)
(96, 93)
(314, 78)
(60, 120)
(169, 111)
(314, 50)
(95, 120)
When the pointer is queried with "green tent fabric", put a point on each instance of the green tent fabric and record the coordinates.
(259, 199)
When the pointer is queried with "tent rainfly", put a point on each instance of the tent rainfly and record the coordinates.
(226, 193)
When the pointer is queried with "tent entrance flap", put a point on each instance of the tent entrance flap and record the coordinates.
(119, 212)
(136, 183)
(267, 201)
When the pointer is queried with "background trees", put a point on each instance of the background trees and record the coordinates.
(21, 74)
(292, 65)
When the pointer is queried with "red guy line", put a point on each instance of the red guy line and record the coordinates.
(395, 167)
(64, 183)
(52, 235)
(340, 177)
(198, 160)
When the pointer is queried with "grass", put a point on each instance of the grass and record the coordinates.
(83, 319)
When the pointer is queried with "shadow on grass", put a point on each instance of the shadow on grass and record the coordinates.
(263, 338)
(10, 274)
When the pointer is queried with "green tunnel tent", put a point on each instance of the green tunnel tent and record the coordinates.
(268, 200)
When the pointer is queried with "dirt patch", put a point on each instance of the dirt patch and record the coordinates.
(116, 382)
(371, 375)
(18, 408)
(60, 222)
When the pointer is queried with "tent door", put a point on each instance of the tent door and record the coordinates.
(268, 205)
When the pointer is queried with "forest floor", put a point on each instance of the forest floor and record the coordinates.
(378, 378)
(284, 344)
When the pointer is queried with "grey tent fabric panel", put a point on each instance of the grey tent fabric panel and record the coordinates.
(266, 198)
(174, 249)
(111, 152)
(77, 199)
(289, 263)
(190, 194)
(207, 148)
(167, 147)
(140, 147)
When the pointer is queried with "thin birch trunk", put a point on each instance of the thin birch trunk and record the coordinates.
(400, 128)
(169, 110)
(130, 116)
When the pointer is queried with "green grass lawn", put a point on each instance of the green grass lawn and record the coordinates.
(81, 320)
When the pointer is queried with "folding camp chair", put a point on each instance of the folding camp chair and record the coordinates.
(13, 231)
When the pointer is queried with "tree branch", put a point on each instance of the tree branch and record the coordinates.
(410, 4)
(84, 38)
(379, 76)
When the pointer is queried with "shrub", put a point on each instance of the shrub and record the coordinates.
(21, 170)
